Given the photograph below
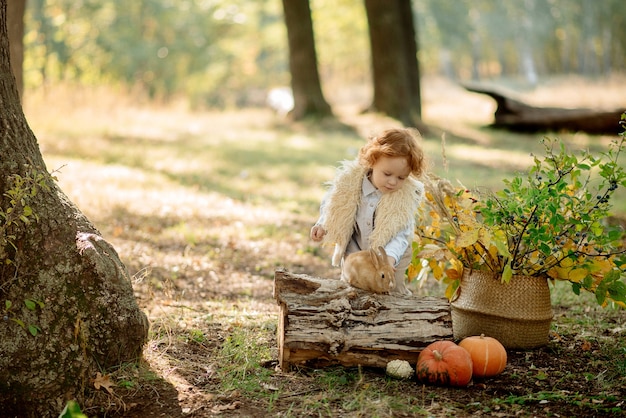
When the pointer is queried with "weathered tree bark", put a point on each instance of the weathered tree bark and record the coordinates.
(68, 306)
(326, 321)
(308, 98)
(515, 115)
(15, 13)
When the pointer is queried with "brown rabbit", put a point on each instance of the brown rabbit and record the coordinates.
(369, 270)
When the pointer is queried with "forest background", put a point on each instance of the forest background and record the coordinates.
(221, 54)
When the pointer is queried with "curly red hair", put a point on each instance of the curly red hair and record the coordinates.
(395, 142)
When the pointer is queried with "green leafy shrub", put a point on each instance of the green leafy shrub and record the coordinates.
(15, 209)
(549, 221)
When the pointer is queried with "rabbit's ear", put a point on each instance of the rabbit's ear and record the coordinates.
(382, 255)
(374, 257)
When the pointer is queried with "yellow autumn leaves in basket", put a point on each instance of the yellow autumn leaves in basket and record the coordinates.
(549, 222)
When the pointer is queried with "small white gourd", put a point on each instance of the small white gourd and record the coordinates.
(400, 369)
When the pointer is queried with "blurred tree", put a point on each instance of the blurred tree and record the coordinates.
(305, 82)
(342, 46)
(223, 53)
(394, 60)
(15, 22)
(68, 306)
(489, 38)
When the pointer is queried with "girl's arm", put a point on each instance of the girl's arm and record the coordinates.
(397, 245)
(318, 231)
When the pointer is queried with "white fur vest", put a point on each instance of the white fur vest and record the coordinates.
(394, 212)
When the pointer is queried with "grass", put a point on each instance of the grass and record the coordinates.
(248, 157)
(204, 206)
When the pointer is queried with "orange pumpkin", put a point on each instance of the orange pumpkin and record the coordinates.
(444, 363)
(488, 355)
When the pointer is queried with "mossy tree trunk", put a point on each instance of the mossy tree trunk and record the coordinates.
(68, 309)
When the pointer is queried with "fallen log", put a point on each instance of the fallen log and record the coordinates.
(515, 115)
(326, 321)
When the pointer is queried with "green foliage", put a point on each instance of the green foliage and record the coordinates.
(203, 49)
(16, 214)
(72, 410)
(221, 53)
(15, 209)
(31, 305)
(549, 222)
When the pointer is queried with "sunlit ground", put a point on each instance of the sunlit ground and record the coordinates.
(204, 206)
(116, 156)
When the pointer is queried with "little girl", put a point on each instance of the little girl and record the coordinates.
(373, 201)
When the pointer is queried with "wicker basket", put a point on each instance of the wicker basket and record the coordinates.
(518, 313)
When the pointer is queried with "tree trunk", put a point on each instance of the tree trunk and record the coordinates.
(305, 82)
(394, 60)
(15, 13)
(410, 52)
(325, 321)
(68, 306)
(517, 116)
